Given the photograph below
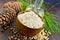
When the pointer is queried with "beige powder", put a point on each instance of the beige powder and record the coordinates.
(30, 19)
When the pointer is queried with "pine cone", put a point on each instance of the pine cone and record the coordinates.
(15, 35)
(17, 6)
(4, 28)
(7, 16)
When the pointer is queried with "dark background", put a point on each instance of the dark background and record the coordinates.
(55, 10)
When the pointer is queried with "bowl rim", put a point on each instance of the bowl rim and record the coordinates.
(29, 27)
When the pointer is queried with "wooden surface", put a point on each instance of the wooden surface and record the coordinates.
(3, 36)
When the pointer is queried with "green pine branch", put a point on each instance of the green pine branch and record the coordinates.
(51, 23)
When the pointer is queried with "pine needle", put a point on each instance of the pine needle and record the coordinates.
(51, 22)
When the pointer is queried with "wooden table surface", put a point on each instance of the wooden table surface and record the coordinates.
(3, 36)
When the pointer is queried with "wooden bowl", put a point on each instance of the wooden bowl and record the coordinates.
(26, 31)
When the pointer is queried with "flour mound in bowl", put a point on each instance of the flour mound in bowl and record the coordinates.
(30, 19)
